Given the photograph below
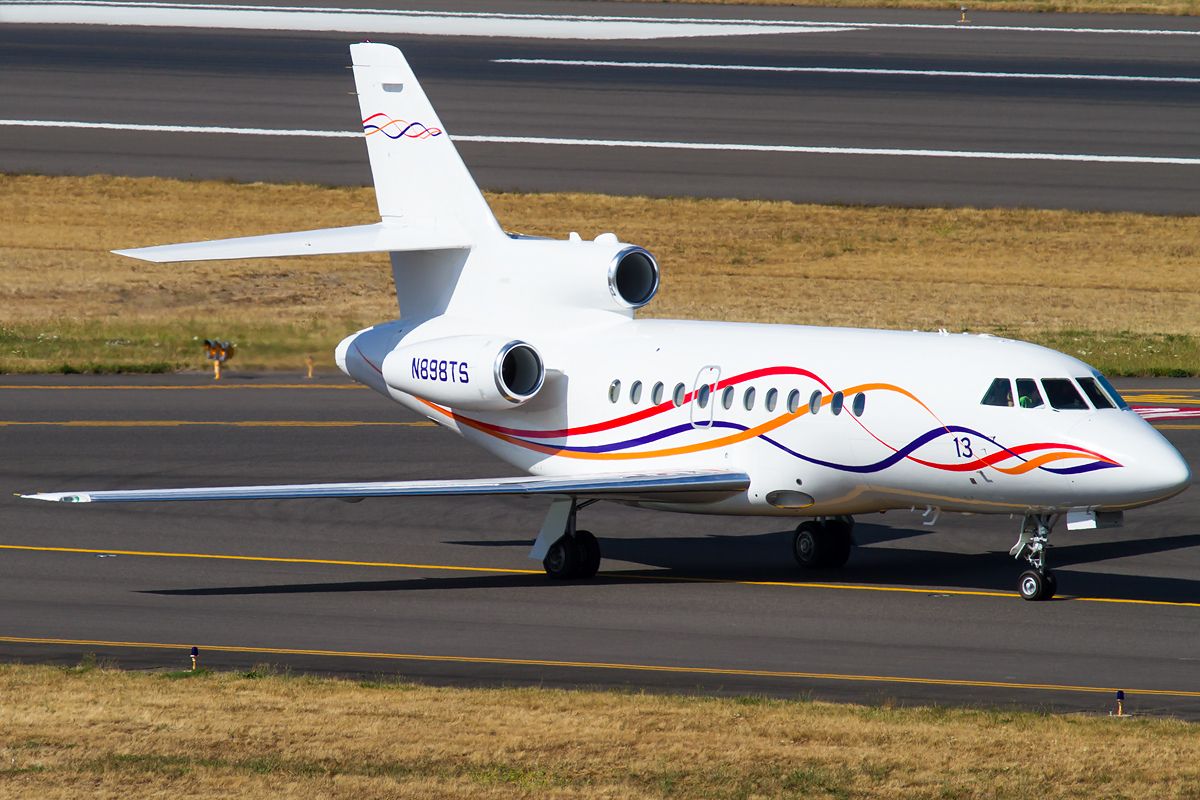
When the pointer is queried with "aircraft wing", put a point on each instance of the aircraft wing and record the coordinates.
(696, 485)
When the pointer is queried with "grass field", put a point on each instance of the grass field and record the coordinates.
(1179, 7)
(87, 732)
(1118, 290)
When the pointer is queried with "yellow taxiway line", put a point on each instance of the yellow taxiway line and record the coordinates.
(184, 423)
(615, 575)
(604, 665)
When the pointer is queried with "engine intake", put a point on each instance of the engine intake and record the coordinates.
(633, 277)
(519, 372)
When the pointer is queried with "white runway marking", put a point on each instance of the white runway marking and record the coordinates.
(1095, 158)
(934, 73)
(382, 21)
(464, 23)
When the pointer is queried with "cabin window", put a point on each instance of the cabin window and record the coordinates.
(999, 393)
(679, 394)
(614, 391)
(835, 405)
(793, 404)
(1094, 393)
(1027, 393)
(1111, 391)
(656, 394)
(814, 402)
(702, 395)
(859, 405)
(1062, 394)
(635, 392)
(771, 399)
(748, 398)
(727, 398)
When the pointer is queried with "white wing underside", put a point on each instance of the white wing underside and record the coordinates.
(694, 486)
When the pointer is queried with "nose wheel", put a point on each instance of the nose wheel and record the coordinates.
(1039, 582)
(823, 543)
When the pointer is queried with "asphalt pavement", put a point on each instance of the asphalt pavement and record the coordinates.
(441, 590)
(987, 86)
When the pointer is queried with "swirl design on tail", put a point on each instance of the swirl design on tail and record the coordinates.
(398, 128)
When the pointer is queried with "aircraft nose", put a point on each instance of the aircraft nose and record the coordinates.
(1166, 473)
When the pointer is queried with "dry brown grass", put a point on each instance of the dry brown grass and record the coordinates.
(1176, 7)
(1042, 275)
(109, 734)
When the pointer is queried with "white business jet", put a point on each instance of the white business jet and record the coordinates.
(529, 348)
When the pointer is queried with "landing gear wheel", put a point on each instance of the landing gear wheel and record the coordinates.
(1033, 585)
(838, 542)
(1051, 585)
(562, 559)
(809, 545)
(589, 554)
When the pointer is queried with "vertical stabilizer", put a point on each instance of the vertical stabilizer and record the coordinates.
(420, 180)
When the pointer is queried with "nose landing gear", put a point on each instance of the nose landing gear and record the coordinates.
(823, 543)
(1038, 583)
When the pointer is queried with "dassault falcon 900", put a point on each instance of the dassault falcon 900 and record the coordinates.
(529, 348)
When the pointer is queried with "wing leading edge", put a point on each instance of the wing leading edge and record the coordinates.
(691, 485)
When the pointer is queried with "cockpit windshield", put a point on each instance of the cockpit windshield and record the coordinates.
(1094, 393)
(1063, 394)
(1111, 391)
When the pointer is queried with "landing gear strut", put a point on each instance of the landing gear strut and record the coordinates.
(1037, 583)
(576, 554)
(823, 543)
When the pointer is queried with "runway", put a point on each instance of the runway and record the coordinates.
(441, 590)
(858, 106)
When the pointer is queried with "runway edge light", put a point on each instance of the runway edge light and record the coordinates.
(195, 657)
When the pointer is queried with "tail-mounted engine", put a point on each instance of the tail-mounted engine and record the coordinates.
(633, 277)
(478, 373)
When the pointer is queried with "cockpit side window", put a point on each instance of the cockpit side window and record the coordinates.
(1027, 393)
(1094, 393)
(999, 393)
(1062, 394)
(1111, 391)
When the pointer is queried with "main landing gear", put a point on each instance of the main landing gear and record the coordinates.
(574, 555)
(823, 543)
(1037, 583)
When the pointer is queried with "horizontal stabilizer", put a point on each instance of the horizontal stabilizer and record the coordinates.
(623, 487)
(380, 237)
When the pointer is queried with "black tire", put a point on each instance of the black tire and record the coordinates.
(838, 542)
(1051, 585)
(809, 545)
(589, 554)
(1032, 585)
(562, 559)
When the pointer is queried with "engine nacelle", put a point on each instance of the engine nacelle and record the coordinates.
(477, 373)
(633, 277)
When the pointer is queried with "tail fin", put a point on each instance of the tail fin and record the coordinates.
(420, 180)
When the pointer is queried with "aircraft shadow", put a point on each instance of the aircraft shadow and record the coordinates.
(764, 557)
